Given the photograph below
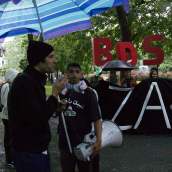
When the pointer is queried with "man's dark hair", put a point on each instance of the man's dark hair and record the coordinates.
(154, 68)
(73, 64)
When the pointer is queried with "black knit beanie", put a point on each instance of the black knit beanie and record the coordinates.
(37, 51)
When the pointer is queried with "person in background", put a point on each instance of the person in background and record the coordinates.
(112, 77)
(154, 68)
(29, 111)
(128, 81)
(153, 74)
(94, 80)
(81, 110)
(9, 77)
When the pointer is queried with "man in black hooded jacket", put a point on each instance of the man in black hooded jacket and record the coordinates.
(29, 111)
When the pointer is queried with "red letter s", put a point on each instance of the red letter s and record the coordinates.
(155, 50)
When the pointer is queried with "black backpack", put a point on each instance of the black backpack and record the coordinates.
(1, 85)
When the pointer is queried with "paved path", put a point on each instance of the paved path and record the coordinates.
(138, 153)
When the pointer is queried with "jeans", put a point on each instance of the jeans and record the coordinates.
(30, 162)
(7, 138)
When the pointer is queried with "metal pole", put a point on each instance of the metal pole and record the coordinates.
(35, 5)
(157, 69)
(64, 124)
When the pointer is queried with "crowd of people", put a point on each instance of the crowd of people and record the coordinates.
(26, 112)
(127, 81)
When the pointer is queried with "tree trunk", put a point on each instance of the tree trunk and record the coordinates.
(49, 80)
(30, 37)
(125, 34)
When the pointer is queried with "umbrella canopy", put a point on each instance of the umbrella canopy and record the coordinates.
(5, 1)
(56, 16)
(117, 65)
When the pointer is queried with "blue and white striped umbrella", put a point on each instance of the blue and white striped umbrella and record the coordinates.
(57, 16)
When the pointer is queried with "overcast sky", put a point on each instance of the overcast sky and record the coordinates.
(8, 39)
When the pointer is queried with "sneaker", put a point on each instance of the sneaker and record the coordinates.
(10, 165)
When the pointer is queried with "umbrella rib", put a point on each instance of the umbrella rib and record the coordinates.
(83, 3)
(81, 8)
(97, 5)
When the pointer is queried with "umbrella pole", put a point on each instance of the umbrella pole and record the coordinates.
(35, 5)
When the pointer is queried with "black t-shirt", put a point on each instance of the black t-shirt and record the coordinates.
(81, 110)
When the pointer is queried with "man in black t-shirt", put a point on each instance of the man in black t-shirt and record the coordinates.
(81, 110)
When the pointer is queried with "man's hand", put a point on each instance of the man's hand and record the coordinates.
(97, 144)
(60, 108)
(96, 147)
(59, 86)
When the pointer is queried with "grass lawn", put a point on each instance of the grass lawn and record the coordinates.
(48, 90)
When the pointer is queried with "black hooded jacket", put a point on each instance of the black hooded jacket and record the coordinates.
(29, 112)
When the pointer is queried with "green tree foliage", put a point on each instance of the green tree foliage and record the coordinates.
(14, 53)
(25, 40)
(146, 17)
(72, 47)
(166, 66)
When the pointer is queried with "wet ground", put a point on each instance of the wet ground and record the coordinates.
(138, 153)
(2, 153)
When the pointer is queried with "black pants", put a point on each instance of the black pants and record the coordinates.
(7, 139)
(68, 162)
(84, 166)
(95, 167)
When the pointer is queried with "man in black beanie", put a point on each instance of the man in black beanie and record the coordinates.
(29, 111)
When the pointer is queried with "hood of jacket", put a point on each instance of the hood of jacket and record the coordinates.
(10, 75)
